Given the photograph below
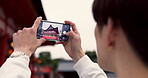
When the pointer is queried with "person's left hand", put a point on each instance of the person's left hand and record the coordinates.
(25, 40)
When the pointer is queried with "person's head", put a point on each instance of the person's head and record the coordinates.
(121, 24)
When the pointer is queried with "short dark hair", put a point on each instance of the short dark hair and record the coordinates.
(131, 16)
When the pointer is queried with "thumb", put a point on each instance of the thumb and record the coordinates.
(40, 41)
(70, 34)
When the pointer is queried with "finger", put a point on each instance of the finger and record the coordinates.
(70, 34)
(74, 28)
(65, 42)
(19, 31)
(59, 42)
(14, 34)
(40, 41)
(24, 28)
(36, 23)
(27, 29)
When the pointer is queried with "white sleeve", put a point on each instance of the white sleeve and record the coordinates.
(17, 67)
(88, 69)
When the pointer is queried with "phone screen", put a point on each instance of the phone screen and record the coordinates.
(53, 31)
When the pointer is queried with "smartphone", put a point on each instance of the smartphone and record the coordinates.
(53, 31)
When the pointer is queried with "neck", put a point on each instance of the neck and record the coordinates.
(128, 65)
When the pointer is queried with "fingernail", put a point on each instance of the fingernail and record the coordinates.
(40, 16)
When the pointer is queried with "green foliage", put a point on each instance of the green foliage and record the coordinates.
(45, 59)
(92, 55)
(55, 64)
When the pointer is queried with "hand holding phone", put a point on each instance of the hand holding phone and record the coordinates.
(53, 31)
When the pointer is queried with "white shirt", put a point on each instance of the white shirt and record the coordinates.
(18, 67)
(88, 69)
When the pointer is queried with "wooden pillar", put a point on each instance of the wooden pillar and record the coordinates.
(3, 49)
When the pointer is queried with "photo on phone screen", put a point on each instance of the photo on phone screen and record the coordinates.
(53, 31)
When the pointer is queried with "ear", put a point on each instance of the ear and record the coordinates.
(110, 33)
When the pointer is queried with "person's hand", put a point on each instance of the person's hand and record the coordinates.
(73, 45)
(25, 40)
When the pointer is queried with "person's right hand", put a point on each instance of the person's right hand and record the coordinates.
(73, 45)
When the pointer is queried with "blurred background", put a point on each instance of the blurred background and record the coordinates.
(48, 61)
